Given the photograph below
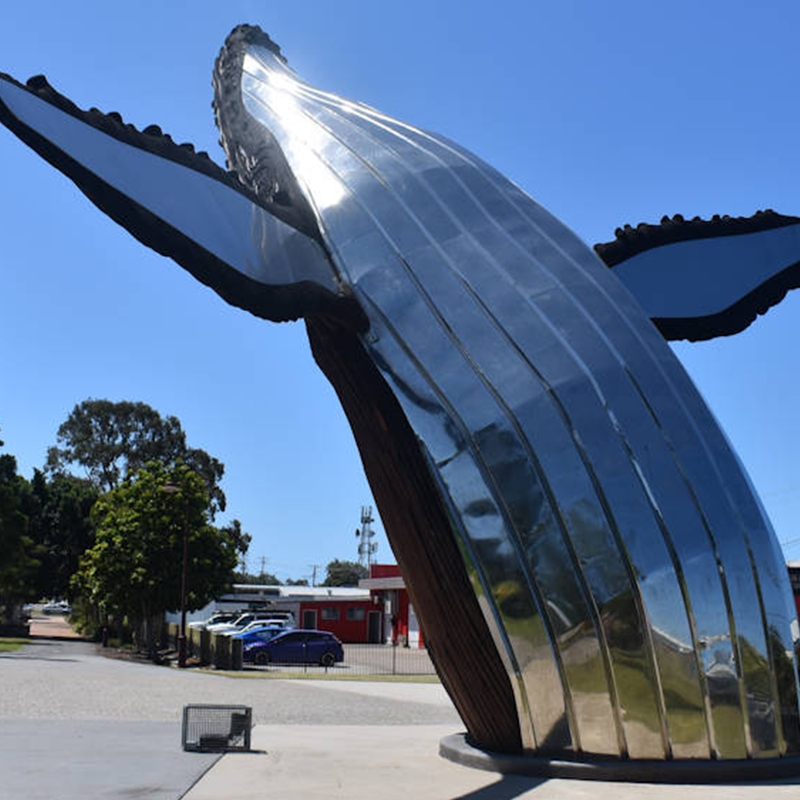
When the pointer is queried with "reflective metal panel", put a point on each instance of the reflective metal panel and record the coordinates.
(655, 276)
(624, 568)
(588, 482)
(226, 223)
(592, 492)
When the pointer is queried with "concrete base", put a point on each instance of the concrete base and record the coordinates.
(456, 748)
(401, 762)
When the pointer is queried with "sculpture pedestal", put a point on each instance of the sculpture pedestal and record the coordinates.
(456, 748)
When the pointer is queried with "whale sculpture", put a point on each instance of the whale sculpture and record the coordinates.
(595, 577)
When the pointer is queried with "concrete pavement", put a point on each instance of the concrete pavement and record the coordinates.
(87, 760)
(402, 763)
(76, 726)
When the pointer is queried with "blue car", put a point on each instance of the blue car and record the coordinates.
(296, 647)
(264, 634)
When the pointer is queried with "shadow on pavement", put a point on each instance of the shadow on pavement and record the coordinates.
(76, 760)
(507, 788)
(41, 650)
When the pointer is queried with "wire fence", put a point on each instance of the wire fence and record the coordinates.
(365, 659)
(224, 652)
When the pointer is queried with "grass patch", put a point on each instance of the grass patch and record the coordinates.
(284, 675)
(8, 645)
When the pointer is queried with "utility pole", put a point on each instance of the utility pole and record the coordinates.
(366, 547)
(314, 568)
(182, 653)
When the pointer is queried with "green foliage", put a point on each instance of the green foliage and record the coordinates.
(262, 579)
(61, 528)
(10, 644)
(112, 441)
(344, 573)
(18, 563)
(237, 535)
(134, 567)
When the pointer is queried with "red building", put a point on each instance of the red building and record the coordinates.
(353, 620)
(350, 613)
(377, 612)
(388, 592)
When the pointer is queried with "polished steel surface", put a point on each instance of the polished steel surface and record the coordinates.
(628, 576)
(626, 571)
(720, 270)
(226, 223)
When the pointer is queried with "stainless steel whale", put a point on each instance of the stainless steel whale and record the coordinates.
(594, 574)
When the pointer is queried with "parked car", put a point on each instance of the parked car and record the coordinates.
(217, 618)
(259, 634)
(60, 607)
(296, 647)
(236, 624)
(270, 622)
(288, 616)
(241, 622)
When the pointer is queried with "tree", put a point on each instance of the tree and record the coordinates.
(238, 536)
(112, 441)
(134, 567)
(344, 573)
(62, 529)
(262, 579)
(18, 563)
(234, 530)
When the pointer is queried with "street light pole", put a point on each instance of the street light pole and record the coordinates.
(184, 572)
(171, 488)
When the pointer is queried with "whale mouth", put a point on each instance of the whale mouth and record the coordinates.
(251, 148)
(257, 158)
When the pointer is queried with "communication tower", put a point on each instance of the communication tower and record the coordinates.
(364, 534)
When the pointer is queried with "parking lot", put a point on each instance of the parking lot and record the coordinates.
(364, 659)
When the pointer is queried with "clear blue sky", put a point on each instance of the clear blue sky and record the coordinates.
(606, 113)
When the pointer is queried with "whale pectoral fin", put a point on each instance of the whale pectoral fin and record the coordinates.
(701, 279)
(180, 204)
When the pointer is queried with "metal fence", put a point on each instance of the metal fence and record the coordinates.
(359, 659)
(385, 659)
(365, 659)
